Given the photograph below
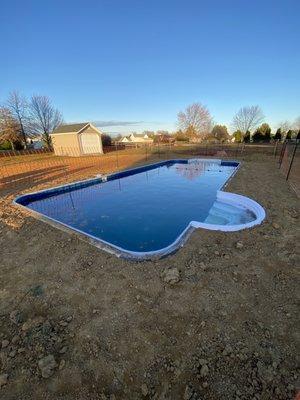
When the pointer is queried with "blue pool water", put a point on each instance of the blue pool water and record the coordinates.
(143, 210)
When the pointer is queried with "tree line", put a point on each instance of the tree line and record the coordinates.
(196, 124)
(23, 119)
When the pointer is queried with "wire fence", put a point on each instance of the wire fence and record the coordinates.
(27, 169)
(14, 153)
(289, 162)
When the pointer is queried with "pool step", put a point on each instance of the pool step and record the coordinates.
(224, 214)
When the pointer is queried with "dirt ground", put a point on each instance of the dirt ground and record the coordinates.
(17, 172)
(78, 323)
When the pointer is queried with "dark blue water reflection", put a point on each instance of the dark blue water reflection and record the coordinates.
(142, 212)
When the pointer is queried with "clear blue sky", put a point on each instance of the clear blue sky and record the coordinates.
(143, 61)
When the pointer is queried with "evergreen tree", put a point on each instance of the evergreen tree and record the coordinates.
(238, 135)
(262, 134)
(289, 134)
(266, 132)
(220, 133)
(278, 134)
(257, 136)
(247, 137)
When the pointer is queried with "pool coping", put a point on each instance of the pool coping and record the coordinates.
(225, 197)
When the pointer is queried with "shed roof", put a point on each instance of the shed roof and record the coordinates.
(65, 128)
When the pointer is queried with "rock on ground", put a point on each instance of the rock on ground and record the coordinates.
(171, 276)
(47, 365)
(3, 379)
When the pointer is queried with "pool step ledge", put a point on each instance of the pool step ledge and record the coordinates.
(236, 200)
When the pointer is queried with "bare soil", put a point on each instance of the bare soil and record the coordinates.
(78, 323)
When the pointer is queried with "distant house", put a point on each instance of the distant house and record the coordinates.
(164, 138)
(77, 139)
(36, 142)
(137, 138)
(124, 139)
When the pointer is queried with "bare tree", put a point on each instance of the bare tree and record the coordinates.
(18, 108)
(9, 127)
(297, 124)
(285, 126)
(248, 118)
(44, 117)
(195, 120)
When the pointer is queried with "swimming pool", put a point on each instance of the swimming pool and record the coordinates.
(148, 211)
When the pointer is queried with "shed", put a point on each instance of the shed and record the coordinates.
(76, 139)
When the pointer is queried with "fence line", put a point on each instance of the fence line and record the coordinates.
(27, 169)
(289, 163)
(14, 153)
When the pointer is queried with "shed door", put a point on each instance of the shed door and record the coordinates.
(90, 143)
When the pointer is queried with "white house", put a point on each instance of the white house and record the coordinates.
(137, 138)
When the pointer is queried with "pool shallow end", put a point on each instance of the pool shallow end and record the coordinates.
(236, 200)
(225, 197)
